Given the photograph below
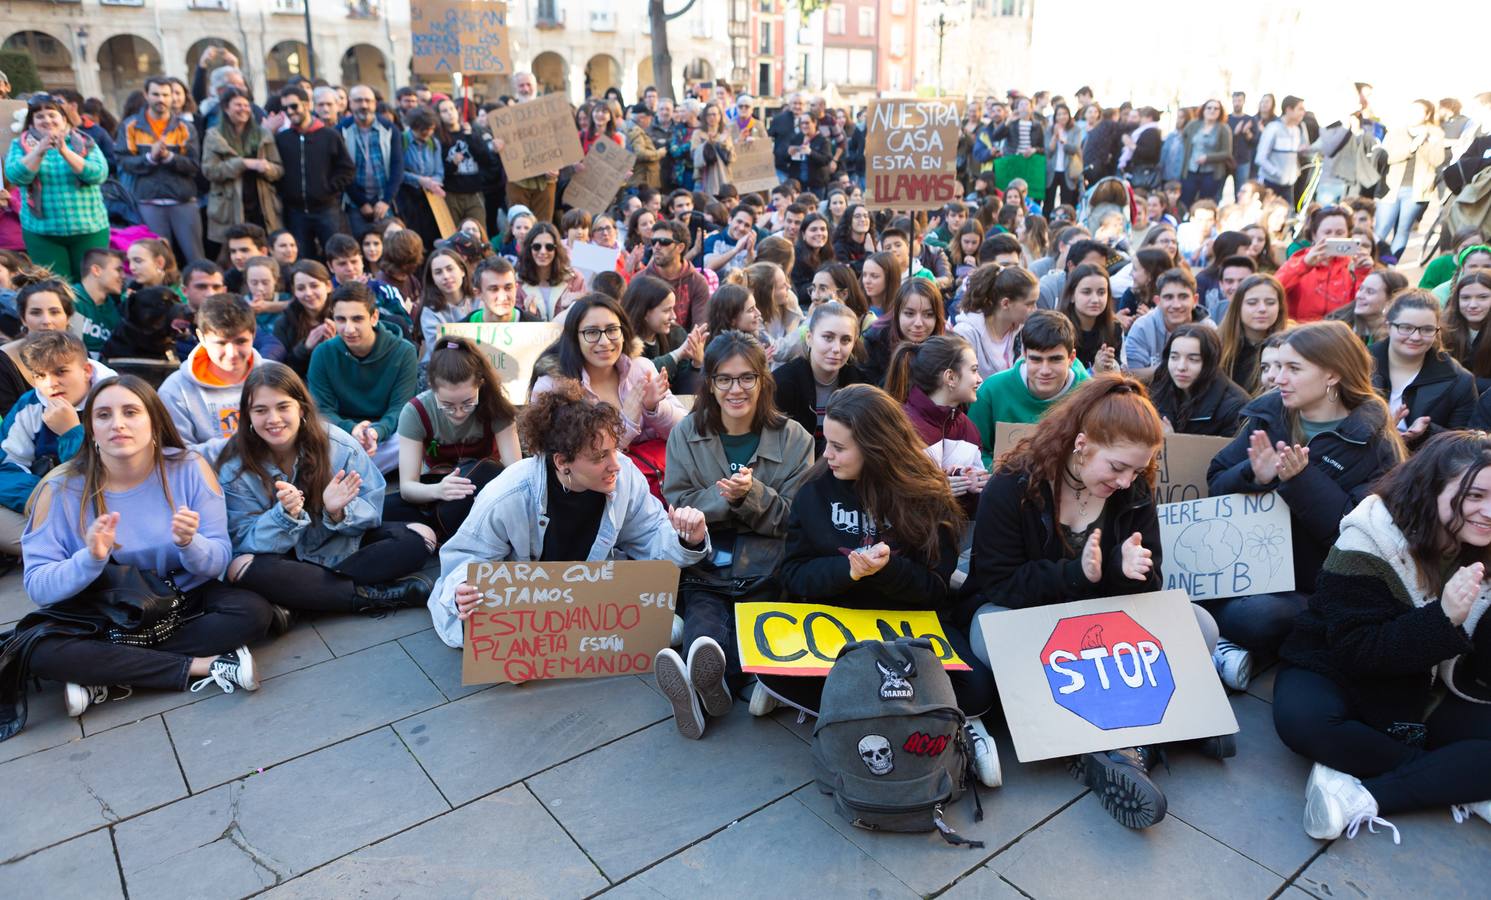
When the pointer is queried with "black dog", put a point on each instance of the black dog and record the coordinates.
(145, 341)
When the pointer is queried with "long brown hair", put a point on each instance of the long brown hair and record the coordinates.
(722, 348)
(1474, 356)
(914, 287)
(1332, 346)
(89, 463)
(887, 263)
(312, 446)
(1109, 410)
(1231, 334)
(898, 483)
(457, 360)
(761, 281)
(434, 297)
(921, 365)
(1411, 491)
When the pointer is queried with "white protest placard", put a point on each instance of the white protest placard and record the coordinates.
(1227, 546)
(513, 348)
(1096, 675)
(592, 258)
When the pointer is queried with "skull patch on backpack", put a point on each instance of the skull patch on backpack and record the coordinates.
(893, 684)
(878, 757)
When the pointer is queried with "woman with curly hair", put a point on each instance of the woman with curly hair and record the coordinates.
(578, 497)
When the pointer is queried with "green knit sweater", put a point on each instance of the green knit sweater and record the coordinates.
(1004, 397)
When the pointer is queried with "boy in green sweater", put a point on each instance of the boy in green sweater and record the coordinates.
(96, 299)
(362, 378)
(1022, 393)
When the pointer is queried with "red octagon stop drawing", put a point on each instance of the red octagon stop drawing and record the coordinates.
(1109, 670)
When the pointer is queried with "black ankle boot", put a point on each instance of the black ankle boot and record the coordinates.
(402, 593)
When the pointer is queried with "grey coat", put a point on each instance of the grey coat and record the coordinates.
(696, 462)
(1214, 150)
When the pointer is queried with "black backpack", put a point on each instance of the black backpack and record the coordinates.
(890, 744)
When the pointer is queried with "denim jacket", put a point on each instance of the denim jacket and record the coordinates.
(257, 523)
(510, 516)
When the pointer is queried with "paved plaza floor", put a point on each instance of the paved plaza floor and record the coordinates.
(362, 768)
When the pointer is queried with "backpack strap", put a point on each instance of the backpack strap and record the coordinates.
(432, 446)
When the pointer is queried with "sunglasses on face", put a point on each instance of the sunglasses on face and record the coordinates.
(543, 248)
(290, 107)
(663, 242)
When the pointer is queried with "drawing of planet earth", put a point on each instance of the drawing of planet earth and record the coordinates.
(1206, 547)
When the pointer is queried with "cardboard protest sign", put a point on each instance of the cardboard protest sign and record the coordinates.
(605, 171)
(911, 152)
(805, 638)
(539, 136)
(1031, 168)
(755, 166)
(466, 36)
(513, 348)
(1182, 464)
(1100, 674)
(1227, 546)
(8, 110)
(567, 619)
(443, 219)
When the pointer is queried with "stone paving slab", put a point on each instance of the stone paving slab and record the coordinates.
(255, 833)
(1438, 858)
(441, 663)
(1252, 802)
(81, 868)
(346, 634)
(503, 845)
(230, 735)
(804, 856)
(634, 801)
(1083, 852)
(47, 725)
(59, 793)
(1262, 685)
(983, 884)
(484, 742)
(14, 603)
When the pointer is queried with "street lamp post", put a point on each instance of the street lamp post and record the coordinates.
(310, 41)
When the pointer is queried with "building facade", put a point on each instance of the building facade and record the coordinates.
(107, 48)
(869, 48)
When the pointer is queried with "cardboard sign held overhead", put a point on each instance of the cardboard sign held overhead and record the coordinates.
(539, 136)
(606, 168)
(911, 154)
(567, 620)
(466, 36)
(1101, 674)
(1182, 465)
(513, 348)
(805, 638)
(1228, 546)
(755, 166)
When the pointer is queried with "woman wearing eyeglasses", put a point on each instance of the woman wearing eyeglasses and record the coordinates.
(737, 459)
(546, 283)
(1208, 143)
(1426, 389)
(60, 171)
(594, 349)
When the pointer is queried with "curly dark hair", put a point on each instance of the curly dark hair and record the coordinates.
(565, 422)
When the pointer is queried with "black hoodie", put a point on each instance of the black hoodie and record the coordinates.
(1344, 463)
(317, 167)
(1443, 390)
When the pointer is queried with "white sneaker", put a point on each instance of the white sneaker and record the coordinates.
(1336, 802)
(1234, 664)
(676, 638)
(673, 680)
(706, 666)
(82, 696)
(985, 754)
(1463, 811)
(231, 671)
(762, 702)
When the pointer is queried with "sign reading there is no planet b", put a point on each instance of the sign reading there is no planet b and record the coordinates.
(1228, 546)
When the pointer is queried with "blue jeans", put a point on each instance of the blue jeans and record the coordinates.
(1241, 176)
(310, 227)
(1396, 216)
(1200, 184)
